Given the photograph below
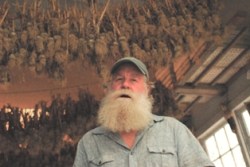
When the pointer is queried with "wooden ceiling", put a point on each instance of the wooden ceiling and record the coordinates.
(211, 68)
(198, 82)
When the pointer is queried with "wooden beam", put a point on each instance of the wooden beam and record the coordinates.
(200, 90)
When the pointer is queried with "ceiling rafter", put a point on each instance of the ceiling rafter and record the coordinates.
(202, 90)
(224, 51)
(240, 56)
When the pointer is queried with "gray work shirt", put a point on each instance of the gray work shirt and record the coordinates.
(166, 142)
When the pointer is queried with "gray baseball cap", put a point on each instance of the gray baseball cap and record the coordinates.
(140, 65)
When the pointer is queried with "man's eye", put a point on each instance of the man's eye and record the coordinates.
(118, 79)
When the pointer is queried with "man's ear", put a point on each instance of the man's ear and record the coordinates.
(107, 86)
(150, 87)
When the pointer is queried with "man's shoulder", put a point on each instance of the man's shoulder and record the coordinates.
(96, 131)
(158, 118)
(167, 121)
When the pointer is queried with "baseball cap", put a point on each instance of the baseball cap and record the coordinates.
(139, 64)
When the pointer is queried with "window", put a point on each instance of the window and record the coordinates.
(244, 124)
(223, 148)
(246, 121)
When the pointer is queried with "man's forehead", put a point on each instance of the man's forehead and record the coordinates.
(129, 67)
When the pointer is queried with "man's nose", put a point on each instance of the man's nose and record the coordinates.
(125, 84)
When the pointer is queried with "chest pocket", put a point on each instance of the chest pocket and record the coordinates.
(103, 160)
(162, 156)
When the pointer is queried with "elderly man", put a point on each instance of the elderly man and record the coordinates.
(129, 134)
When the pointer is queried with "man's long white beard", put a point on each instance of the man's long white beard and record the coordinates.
(123, 114)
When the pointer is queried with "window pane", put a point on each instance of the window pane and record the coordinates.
(238, 157)
(246, 118)
(232, 138)
(221, 139)
(211, 148)
(218, 163)
(228, 160)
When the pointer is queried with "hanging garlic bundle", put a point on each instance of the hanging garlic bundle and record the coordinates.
(1, 41)
(82, 48)
(162, 53)
(142, 26)
(58, 42)
(40, 66)
(61, 57)
(12, 61)
(32, 59)
(7, 44)
(104, 72)
(24, 38)
(137, 52)
(32, 31)
(81, 25)
(4, 75)
(1, 54)
(146, 44)
(21, 56)
(63, 35)
(91, 45)
(54, 25)
(50, 51)
(114, 49)
(14, 40)
(73, 45)
(64, 29)
(124, 45)
(101, 48)
(39, 44)
(162, 19)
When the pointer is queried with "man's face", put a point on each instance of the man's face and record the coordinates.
(127, 105)
(129, 77)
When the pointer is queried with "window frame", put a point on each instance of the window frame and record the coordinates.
(220, 124)
(242, 132)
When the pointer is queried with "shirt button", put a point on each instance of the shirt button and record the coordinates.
(100, 162)
(163, 150)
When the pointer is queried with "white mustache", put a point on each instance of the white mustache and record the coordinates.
(123, 93)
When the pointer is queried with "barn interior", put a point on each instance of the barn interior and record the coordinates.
(197, 53)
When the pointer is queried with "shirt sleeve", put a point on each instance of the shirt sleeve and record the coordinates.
(81, 157)
(189, 150)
